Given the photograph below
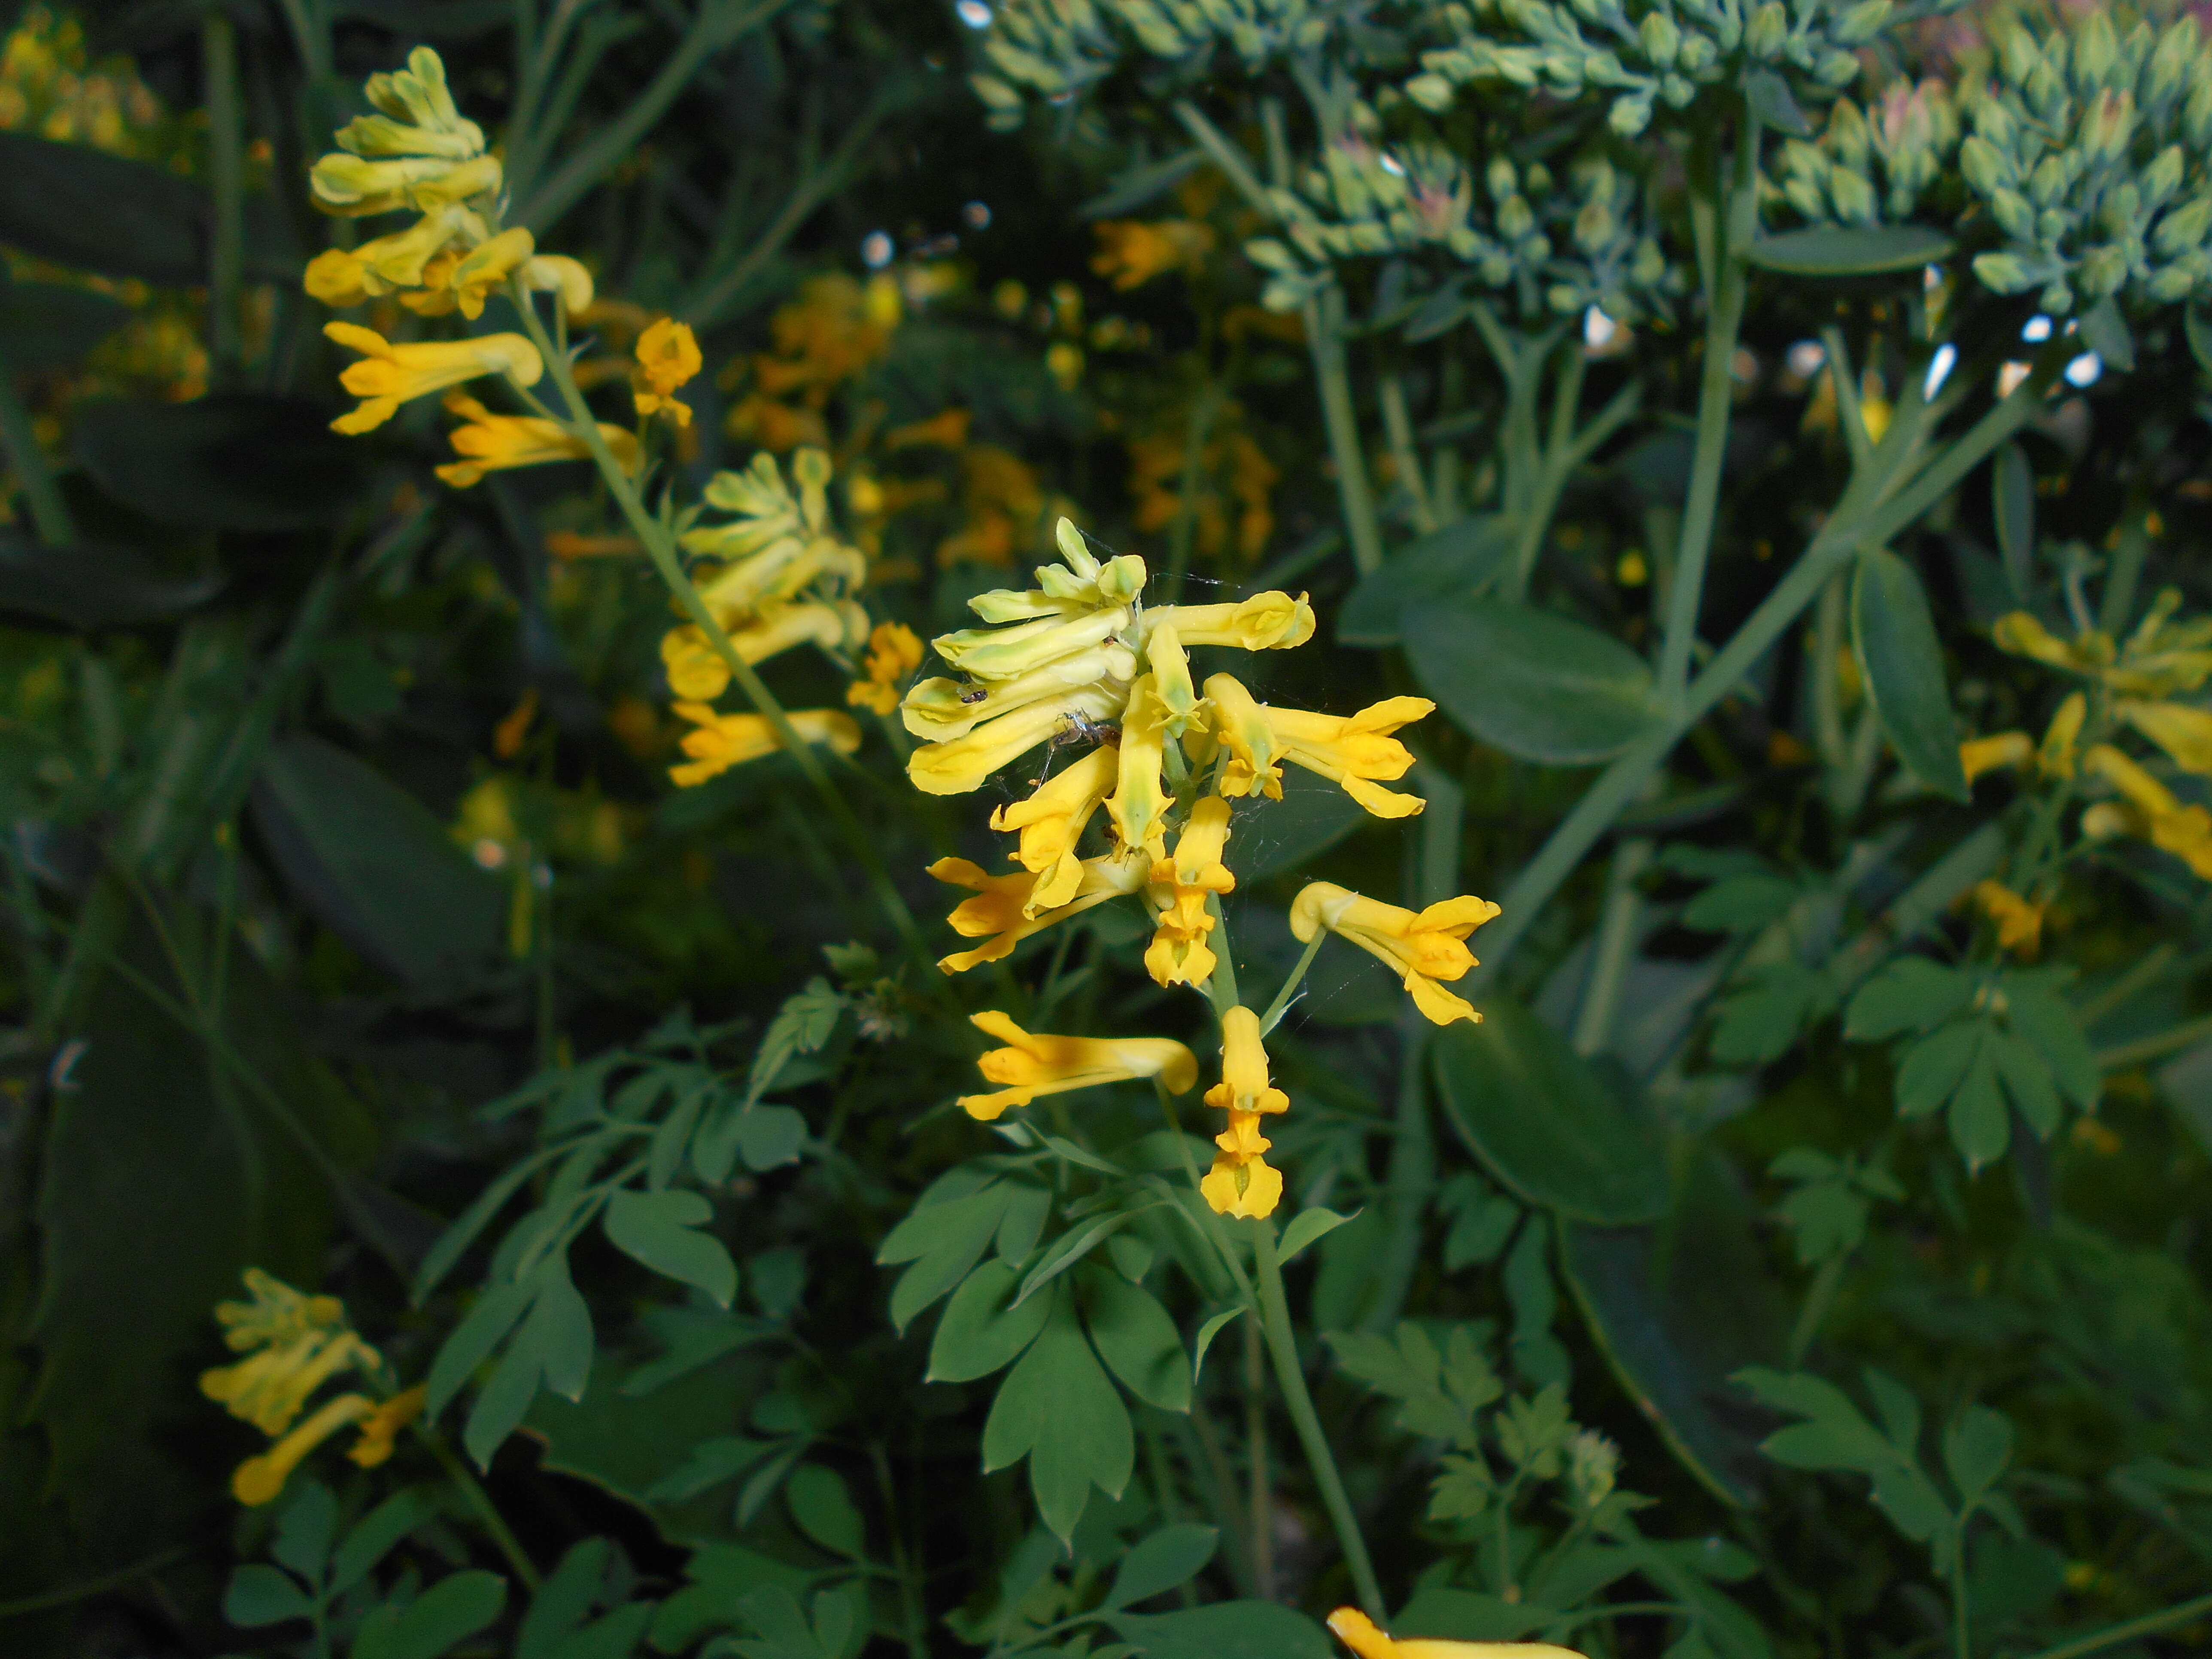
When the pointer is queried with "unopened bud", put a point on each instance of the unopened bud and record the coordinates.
(2001, 273)
(1986, 169)
(2096, 52)
(1853, 197)
(1769, 30)
(2112, 123)
(1861, 23)
(2014, 215)
(1661, 40)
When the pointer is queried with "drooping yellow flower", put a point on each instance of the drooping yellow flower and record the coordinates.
(1000, 912)
(2056, 755)
(721, 741)
(1242, 1182)
(1139, 802)
(268, 1389)
(1052, 821)
(1997, 752)
(379, 1430)
(667, 356)
(258, 1479)
(1352, 751)
(494, 443)
(962, 765)
(939, 710)
(1179, 953)
(389, 376)
(1244, 1086)
(1132, 251)
(1358, 1633)
(461, 281)
(894, 653)
(1272, 621)
(2182, 731)
(1424, 946)
(2019, 923)
(2150, 811)
(1037, 1063)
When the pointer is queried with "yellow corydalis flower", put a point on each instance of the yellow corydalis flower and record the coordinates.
(1036, 1063)
(718, 742)
(2054, 756)
(380, 1429)
(1179, 953)
(496, 443)
(667, 357)
(1052, 821)
(258, 1479)
(389, 376)
(1001, 912)
(894, 653)
(1358, 1633)
(2019, 922)
(1141, 797)
(2147, 810)
(1242, 1182)
(1424, 947)
(1352, 751)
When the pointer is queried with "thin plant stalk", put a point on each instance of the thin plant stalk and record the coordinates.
(226, 186)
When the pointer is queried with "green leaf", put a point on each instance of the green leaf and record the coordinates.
(1760, 1021)
(565, 1600)
(1981, 1124)
(560, 1330)
(2105, 331)
(1893, 638)
(1741, 904)
(979, 1333)
(1213, 1328)
(1309, 1227)
(1536, 684)
(769, 1137)
(722, 1576)
(820, 1503)
(45, 327)
(1468, 1616)
(245, 461)
(262, 1595)
(664, 1153)
(801, 1026)
(92, 584)
(2012, 492)
(1976, 1449)
(2027, 1082)
(1911, 994)
(305, 1529)
(1140, 185)
(1676, 1308)
(614, 1637)
(1835, 1436)
(2039, 1014)
(82, 208)
(370, 863)
(944, 1240)
(1224, 1630)
(1174, 1555)
(1544, 1122)
(1933, 1068)
(1460, 560)
(444, 1615)
(1135, 1336)
(1069, 1248)
(662, 1230)
(374, 1537)
(1057, 1408)
(1023, 1224)
(492, 1315)
(1856, 251)
(1769, 96)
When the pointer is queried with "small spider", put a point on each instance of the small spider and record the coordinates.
(972, 694)
(1076, 728)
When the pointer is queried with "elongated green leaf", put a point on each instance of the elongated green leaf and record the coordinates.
(1771, 100)
(943, 1242)
(1534, 683)
(45, 327)
(1853, 251)
(92, 584)
(374, 1537)
(1214, 1326)
(1460, 560)
(444, 1615)
(261, 1596)
(979, 1332)
(1544, 1122)
(244, 461)
(1135, 1338)
(1310, 1227)
(495, 1313)
(662, 1230)
(92, 211)
(1058, 1409)
(824, 1510)
(1224, 1630)
(1894, 639)
(2012, 489)
(1172, 1556)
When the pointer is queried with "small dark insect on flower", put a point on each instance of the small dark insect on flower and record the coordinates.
(973, 694)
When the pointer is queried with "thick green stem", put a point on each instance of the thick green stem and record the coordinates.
(1290, 1374)
(50, 514)
(1609, 955)
(1324, 321)
(1716, 397)
(1962, 1623)
(473, 1492)
(227, 185)
(660, 549)
(1260, 1504)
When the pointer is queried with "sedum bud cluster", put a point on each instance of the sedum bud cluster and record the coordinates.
(2088, 151)
(1564, 243)
(1057, 49)
(1867, 167)
(1666, 52)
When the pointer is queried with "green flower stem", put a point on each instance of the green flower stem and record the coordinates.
(1184, 532)
(1259, 1502)
(1844, 534)
(2150, 1624)
(50, 514)
(1290, 1374)
(2156, 1046)
(903, 1571)
(477, 1498)
(1270, 1019)
(1716, 397)
(1819, 1299)
(1398, 428)
(227, 185)
(659, 547)
(1616, 943)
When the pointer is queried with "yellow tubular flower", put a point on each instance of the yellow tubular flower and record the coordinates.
(1241, 1182)
(2019, 923)
(2054, 758)
(269, 1389)
(1036, 1063)
(2021, 634)
(1179, 953)
(941, 710)
(397, 261)
(1000, 912)
(2184, 733)
(1140, 798)
(417, 115)
(494, 443)
(389, 376)
(1003, 653)
(1350, 750)
(258, 1479)
(556, 273)
(336, 278)
(1244, 1086)
(1179, 698)
(894, 653)
(276, 1314)
(351, 187)
(958, 767)
(1358, 1632)
(1425, 946)
(382, 1429)
(667, 356)
(2184, 832)
(1272, 621)
(1991, 754)
(722, 741)
(1052, 822)
(463, 284)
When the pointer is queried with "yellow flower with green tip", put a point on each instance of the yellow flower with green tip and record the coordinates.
(1425, 948)
(1000, 912)
(1039, 1063)
(461, 282)
(1241, 1182)
(718, 742)
(391, 375)
(353, 188)
(1353, 751)
(939, 709)
(498, 443)
(2019, 922)
(1052, 821)
(1272, 621)
(416, 115)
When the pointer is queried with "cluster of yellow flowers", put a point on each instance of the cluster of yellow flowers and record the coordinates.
(2128, 685)
(294, 1344)
(1080, 658)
